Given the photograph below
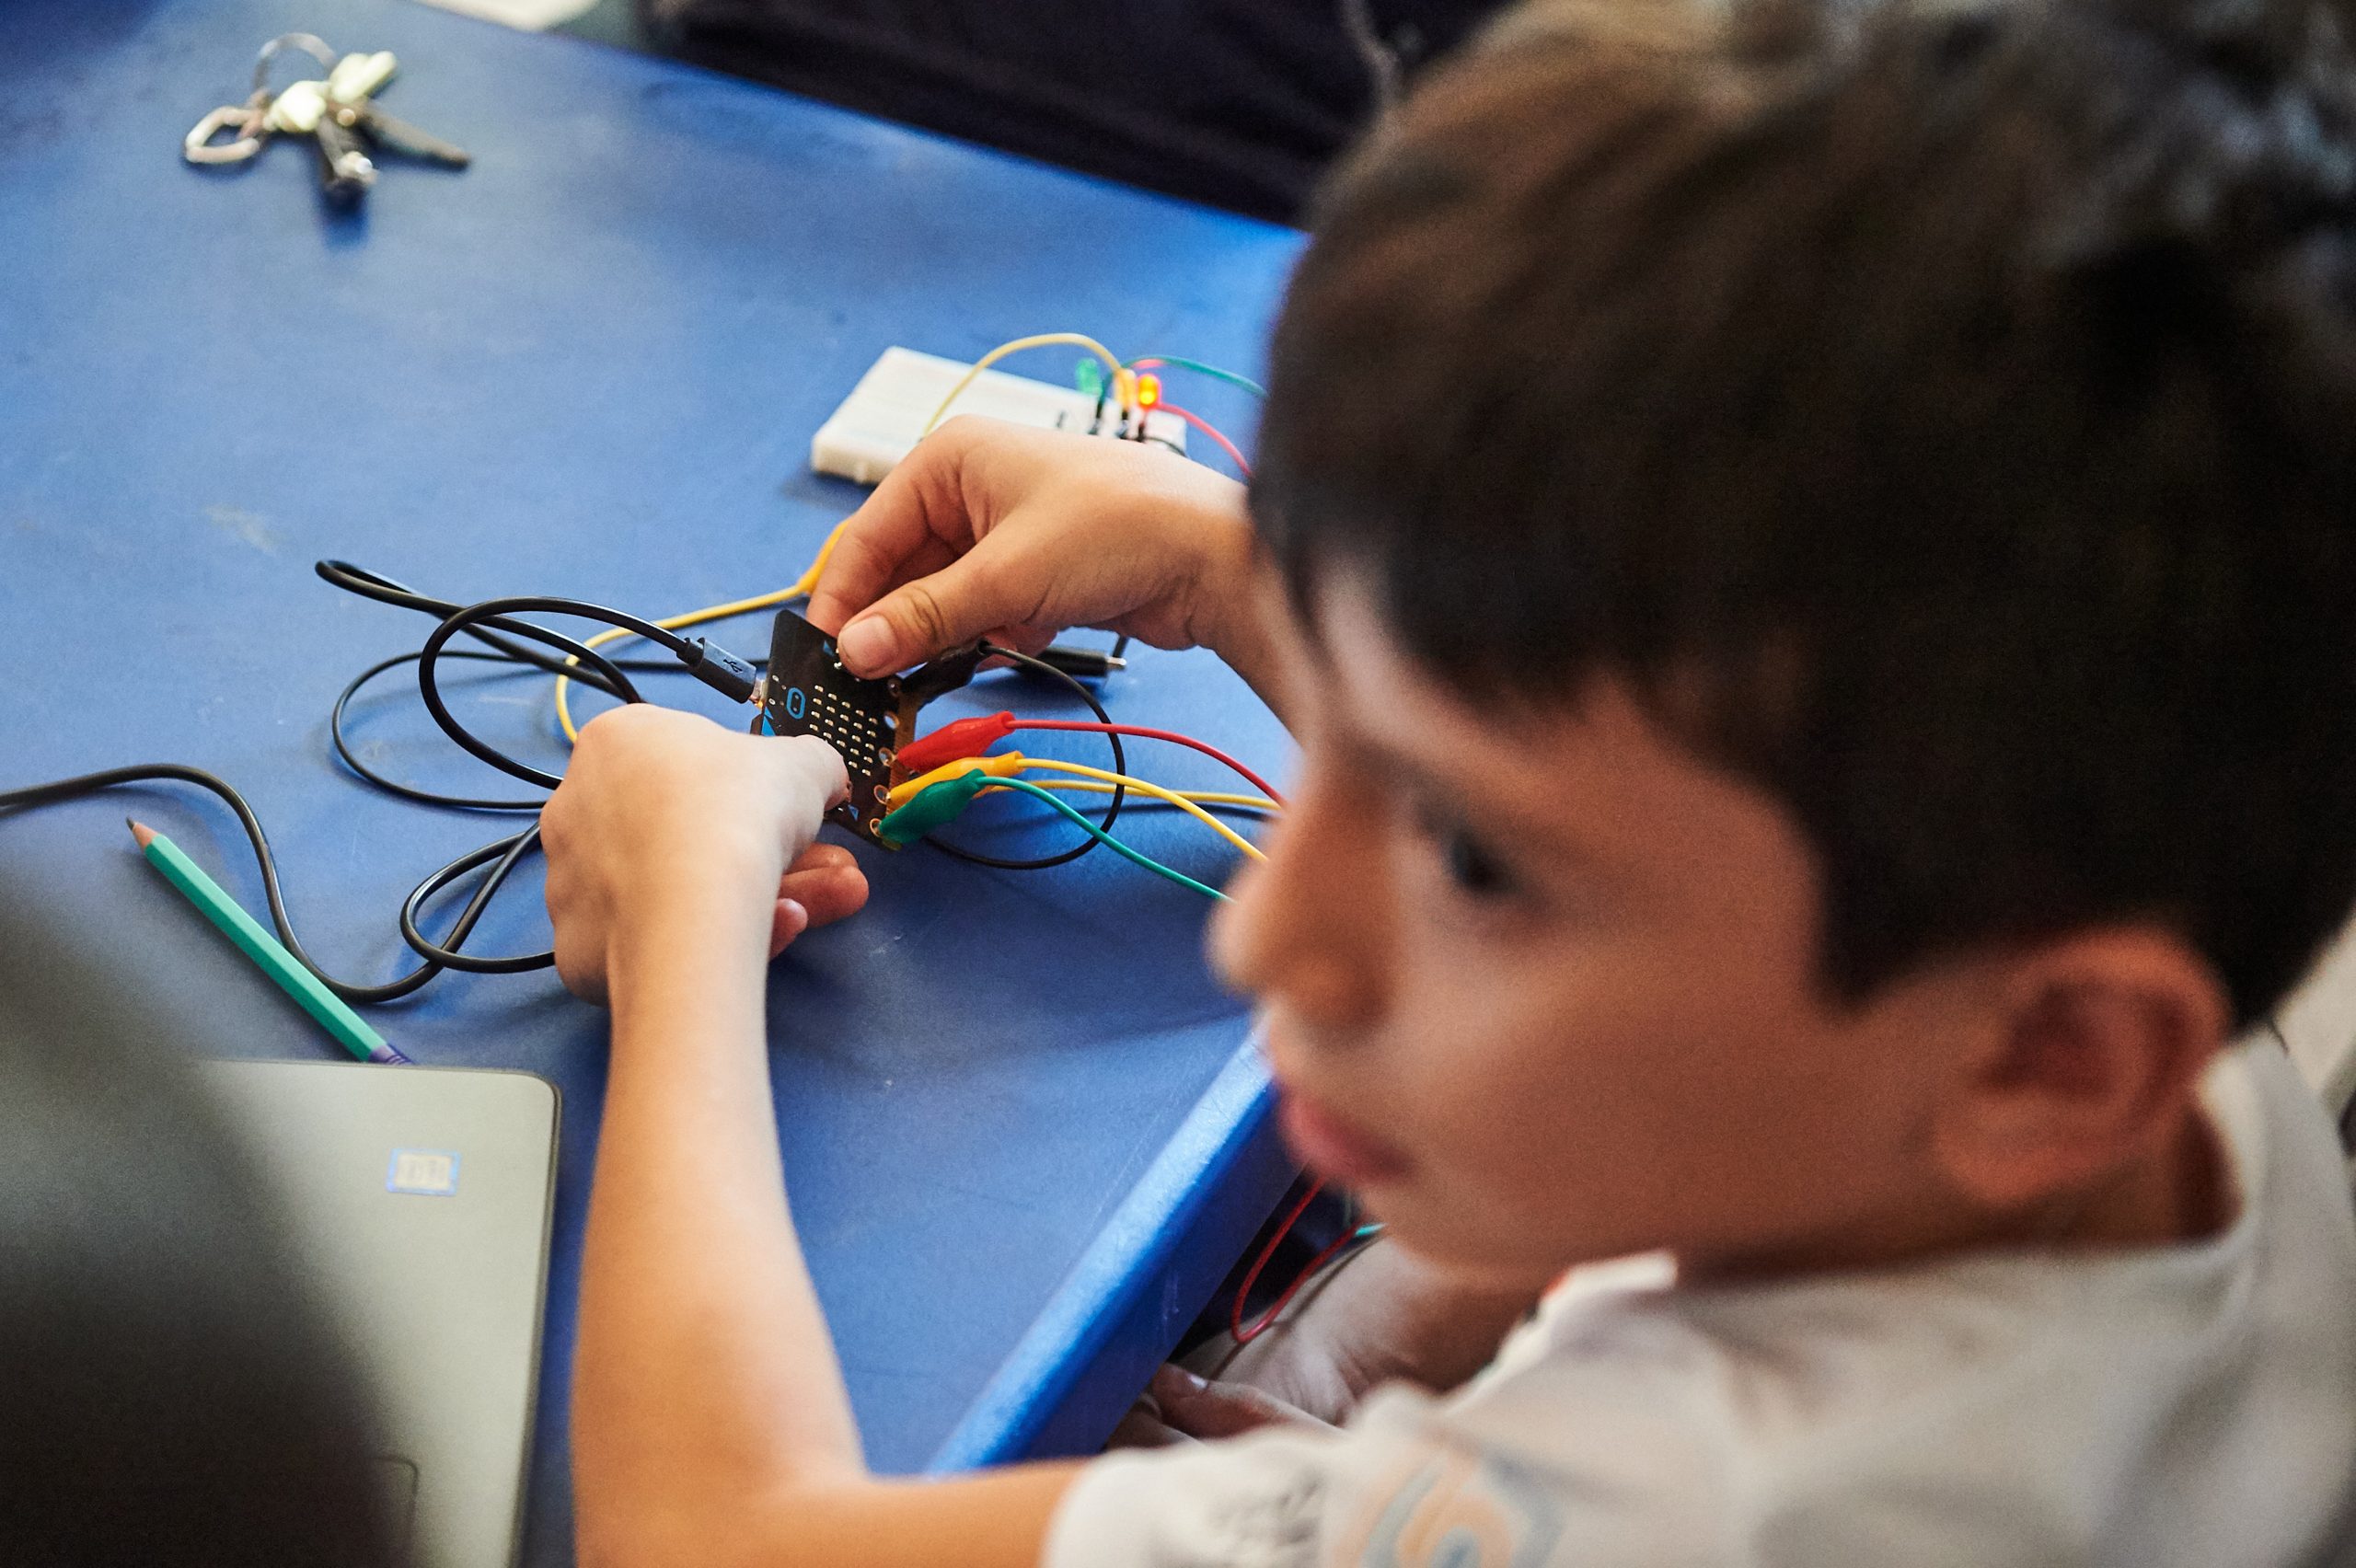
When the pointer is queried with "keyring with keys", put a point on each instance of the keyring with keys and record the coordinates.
(248, 119)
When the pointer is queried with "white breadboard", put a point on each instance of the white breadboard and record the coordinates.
(879, 423)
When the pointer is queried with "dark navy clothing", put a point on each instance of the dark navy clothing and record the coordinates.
(1237, 102)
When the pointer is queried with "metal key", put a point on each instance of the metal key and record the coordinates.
(402, 137)
(345, 169)
(351, 90)
(336, 111)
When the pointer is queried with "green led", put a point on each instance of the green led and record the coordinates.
(1088, 376)
(935, 807)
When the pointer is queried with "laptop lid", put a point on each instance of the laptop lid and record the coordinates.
(422, 1196)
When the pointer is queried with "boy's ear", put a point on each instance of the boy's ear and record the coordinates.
(2092, 1048)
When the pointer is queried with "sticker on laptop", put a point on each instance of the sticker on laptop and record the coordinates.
(423, 1173)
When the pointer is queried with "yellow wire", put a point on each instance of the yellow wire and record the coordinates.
(801, 587)
(1200, 797)
(1157, 791)
(1008, 763)
(1124, 379)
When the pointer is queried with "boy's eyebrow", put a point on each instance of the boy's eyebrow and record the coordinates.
(1482, 808)
(1393, 764)
(1501, 816)
(1399, 765)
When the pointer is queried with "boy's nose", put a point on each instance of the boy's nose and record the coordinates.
(1310, 929)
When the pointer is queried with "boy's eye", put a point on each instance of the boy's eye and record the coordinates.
(1467, 862)
(1470, 867)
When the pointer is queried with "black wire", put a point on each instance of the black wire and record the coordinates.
(1112, 809)
(485, 623)
(496, 612)
(90, 783)
(445, 953)
(434, 796)
(385, 591)
(394, 786)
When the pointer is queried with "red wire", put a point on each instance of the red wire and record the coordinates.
(1173, 737)
(1245, 1333)
(1252, 1278)
(1210, 430)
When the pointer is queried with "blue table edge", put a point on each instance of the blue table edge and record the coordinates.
(1139, 1284)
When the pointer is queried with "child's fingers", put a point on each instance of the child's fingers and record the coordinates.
(1143, 1427)
(816, 762)
(816, 894)
(914, 523)
(790, 921)
(1218, 1409)
(858, 573)
(829, 892)
(971, 596)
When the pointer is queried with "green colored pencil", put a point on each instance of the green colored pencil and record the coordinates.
(262, 947)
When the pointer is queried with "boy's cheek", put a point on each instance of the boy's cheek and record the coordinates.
(1556, 1126)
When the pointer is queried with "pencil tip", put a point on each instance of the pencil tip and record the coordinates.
(142, 832)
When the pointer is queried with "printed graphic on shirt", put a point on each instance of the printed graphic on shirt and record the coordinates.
(1458, 1510)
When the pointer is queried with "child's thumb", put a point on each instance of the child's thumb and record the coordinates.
(961, 602)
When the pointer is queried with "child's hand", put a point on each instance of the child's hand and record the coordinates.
(663, 815)
(993, 529)
(1178, 1405)
(1377, 1315)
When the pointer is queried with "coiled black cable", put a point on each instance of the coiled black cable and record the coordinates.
(509, 641)
(351, 758)
(142, 773)
(500, 613)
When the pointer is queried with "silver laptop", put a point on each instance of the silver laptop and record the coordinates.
(420, 1199)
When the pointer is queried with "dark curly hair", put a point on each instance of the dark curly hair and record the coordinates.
(1946, 416)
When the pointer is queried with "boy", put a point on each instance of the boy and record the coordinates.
(1811, 578)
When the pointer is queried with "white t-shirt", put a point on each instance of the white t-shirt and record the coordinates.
(2191, 1405)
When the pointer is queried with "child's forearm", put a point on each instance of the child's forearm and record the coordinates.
(709, 1424)
(706, 1380)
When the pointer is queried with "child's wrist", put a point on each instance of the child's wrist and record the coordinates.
(687, 930)
(701, 884)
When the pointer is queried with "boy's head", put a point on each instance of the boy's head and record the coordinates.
(1828, 548)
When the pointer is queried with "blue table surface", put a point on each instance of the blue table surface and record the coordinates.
(591, 366)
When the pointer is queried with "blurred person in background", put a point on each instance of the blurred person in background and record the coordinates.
(172, 1398)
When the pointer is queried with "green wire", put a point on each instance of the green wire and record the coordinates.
(1112, 842)
(1210, 370)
